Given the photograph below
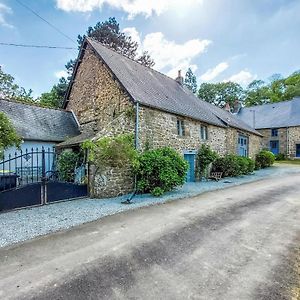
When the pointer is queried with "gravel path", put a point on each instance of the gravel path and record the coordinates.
(28, 223)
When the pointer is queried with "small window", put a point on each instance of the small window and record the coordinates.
(204, 132)
(180, 127)
(274, 132)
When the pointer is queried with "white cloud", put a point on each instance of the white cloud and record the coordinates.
(131, 31)
(244, 77)
(61, 73)
(211, 74)
(169, 56)
(131, 7)
(4, 10)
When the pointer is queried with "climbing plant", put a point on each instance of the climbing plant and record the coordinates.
(111, 151)
(205, 157)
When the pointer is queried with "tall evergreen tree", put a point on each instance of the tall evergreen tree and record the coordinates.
(190, 81)
(109, 34)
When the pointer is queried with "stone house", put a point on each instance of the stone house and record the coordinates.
(279, 123)
(111, 94)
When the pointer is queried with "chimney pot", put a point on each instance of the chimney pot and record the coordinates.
(179, 78)
(227, 107)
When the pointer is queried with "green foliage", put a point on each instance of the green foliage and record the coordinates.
(190, 81)
(66, 165)
(160, 170)
(280, 156)
(10, 90)
(204, 158)
(55, 98)
(8, 134)
(264, 159)
(221, 93)
(233, 165)
(111, 151)
(278, 89)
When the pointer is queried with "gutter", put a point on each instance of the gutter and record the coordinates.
(137, 146)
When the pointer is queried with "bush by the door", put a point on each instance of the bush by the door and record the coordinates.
(158, 171)
(233, 165)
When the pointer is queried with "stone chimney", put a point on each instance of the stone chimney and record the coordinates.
(237, 106)
(227, 107)
(179, 78)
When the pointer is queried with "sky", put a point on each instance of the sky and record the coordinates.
(221, 40)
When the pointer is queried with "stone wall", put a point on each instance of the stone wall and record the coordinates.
(287, 137)
(159, 129)
(282, 138)
(103, 107)
(96, 98)
(254, 143)
(293, 139)
(110, 182)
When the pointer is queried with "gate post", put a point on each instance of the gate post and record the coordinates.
(43, 185)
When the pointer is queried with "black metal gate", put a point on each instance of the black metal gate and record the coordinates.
(31, 178)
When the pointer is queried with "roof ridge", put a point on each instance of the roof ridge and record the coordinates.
(34, 105)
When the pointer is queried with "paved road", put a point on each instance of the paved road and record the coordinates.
(237, 243)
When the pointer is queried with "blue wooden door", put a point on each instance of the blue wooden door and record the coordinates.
(190, 158)
(297, 150)
(243, 146)
(274, 147)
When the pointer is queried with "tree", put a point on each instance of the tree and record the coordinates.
(221, 93)
(55, 98)
(190, 81)
(10, 90)
(278, 89)
(109, 34)
(8, 134)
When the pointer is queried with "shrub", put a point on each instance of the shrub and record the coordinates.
(111, 151)
(280, 156)
(66, 164)
(160, 170)
(264, 159)
(205, 157)
(233, 165)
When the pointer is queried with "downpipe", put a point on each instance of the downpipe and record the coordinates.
(136, 145)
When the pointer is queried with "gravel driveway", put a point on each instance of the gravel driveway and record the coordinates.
(21, 225)
(238, 243)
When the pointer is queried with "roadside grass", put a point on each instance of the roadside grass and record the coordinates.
(288, 161)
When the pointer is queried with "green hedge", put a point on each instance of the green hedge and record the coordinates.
(66, 164)
(264, 159)
(158, 171)
(233, 165)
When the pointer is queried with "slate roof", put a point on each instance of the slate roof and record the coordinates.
(154, 89)
(273, 115)
(38, 123)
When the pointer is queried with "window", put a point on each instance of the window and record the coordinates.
(204, 132)
(274, 132)
(180, 127)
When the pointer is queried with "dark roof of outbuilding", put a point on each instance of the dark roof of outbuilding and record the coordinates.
(272, 115)
(38, 123)
(154, 89)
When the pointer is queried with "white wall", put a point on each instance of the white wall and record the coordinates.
(31, 161)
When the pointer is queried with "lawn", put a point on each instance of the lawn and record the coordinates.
(291, 162)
